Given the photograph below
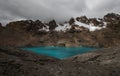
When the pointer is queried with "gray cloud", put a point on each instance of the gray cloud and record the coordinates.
(59, 10)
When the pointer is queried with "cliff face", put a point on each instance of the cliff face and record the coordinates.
(80, 31)
(15, 62)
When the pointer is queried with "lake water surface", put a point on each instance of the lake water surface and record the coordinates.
(59, 52)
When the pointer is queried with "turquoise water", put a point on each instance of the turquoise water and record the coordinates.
(59, 52)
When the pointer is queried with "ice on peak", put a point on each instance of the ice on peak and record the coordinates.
(63, 27)
(90, 26)
(46, 28)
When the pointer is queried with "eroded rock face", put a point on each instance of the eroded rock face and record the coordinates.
(81, 31)
(15, 35)
(111, 17)
(28, 26)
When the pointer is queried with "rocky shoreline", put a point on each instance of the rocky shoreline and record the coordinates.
(104, 62)
(80, 31)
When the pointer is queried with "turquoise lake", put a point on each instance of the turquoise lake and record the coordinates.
(59, 52)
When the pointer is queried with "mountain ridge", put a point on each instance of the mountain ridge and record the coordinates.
(102, 62)
(80, 31)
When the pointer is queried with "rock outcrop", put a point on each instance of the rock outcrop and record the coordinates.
(1, 27)
(52, 25)
(108, 57)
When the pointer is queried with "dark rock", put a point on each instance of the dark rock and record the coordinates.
(72, 29)
(83, 19)
(71, 21)
(52, 25)
(75, 29)
(38, 25)
(111, 17)
(1, 27)
(25, 26)
(94, 21)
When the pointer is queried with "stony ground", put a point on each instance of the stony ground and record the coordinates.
(103, 62)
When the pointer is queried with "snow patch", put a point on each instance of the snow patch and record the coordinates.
(91, 26)
(98, 20)
(105, 23)
(66, 26)
(46, 28)
(63, 27)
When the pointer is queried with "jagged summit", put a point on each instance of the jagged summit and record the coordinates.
(79, 31)
(78, 24)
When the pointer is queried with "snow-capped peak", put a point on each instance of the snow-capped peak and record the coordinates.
(89, 26)
(92, 24)
(63, 27)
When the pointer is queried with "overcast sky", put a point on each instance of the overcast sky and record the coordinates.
(59, 10)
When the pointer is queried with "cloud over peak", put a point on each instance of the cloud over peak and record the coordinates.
(59, 10)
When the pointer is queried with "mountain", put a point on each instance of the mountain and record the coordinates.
(80, 31)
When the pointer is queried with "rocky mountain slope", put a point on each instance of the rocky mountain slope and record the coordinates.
(80, 31)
